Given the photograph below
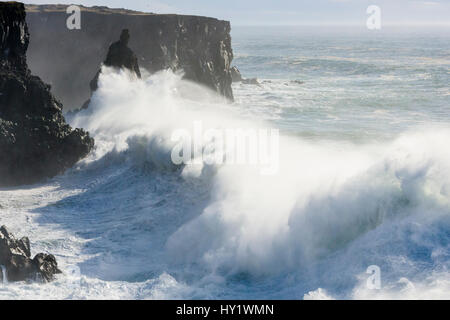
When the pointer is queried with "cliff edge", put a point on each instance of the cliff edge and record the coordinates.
(35, 140)
(68, 59)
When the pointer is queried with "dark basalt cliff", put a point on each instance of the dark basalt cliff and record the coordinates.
(69, 59)
(35, 140)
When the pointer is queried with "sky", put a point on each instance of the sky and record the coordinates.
(290, 12)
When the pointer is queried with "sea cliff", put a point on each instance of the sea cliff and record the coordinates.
(35, 140)
(68, 59)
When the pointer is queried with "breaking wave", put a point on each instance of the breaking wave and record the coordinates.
(154, 229)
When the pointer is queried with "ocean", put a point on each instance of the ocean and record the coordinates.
(362, 188)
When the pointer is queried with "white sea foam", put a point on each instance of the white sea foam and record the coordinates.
(140, 227)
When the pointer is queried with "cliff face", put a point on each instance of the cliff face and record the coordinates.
(35, 141)
(14, 37)
(69, 59)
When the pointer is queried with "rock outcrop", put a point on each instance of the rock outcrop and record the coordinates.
(35, 140)
(68, 59)
(15, 257)
(236, 76)
(119, 56)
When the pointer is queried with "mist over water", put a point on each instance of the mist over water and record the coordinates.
(364, 179)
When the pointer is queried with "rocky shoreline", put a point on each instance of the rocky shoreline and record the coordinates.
(35, 141)
(17, 264)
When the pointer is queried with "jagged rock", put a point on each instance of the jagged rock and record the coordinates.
(236, 75)
(35, 140)
(200, 46)
(15, 256)
(119, 56)
(46, 266)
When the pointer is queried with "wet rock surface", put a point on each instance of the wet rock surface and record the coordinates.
(237, 77)
(15, 257)
(236, 74)
(35, 140)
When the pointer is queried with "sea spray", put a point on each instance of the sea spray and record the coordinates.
(363, 181)
(325, 196)
(4, 275)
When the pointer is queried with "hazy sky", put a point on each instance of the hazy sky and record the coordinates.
(291, 12)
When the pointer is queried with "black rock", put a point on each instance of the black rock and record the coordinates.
(198, 46)
(236, 75)
(46, 266)
(119, 56)
(35, 140)
(15, 256)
